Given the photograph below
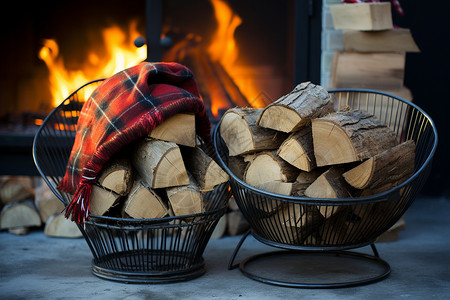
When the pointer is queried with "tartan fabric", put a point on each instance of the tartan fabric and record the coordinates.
(123, 108)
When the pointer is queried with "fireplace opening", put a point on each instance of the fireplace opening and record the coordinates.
(243, 53)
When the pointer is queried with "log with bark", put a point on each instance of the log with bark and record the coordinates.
(58, 226)
(206, 172)
(117, 176)
(15, 188)
(345, 137)
(186, 199)
(242, 135)
(268, 166)
(179, 129)
(298, 150)
(384, 170)
(159, 163)
(144, 203)
(292, 111)
(19, 214)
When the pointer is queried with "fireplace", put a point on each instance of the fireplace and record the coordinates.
(277, 44)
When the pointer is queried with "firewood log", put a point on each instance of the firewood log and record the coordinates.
(237, 166)
(159, 163)
(384, 170)
(206, 172)
(46, 202)
(179, 129)
(241, 134)
(143, 203)
(58, 226)
(349, 136)
(330, 184)
(266, 167)
(186, 199)
(15, 188)
(294, 110)
(304, 180)
(102, 200)
(19, 214)
(117, 176)
(298, 150)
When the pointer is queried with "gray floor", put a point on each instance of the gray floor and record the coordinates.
(39, 267)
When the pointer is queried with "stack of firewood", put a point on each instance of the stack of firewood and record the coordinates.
(164, 174)
(300, 146)
(29, 203)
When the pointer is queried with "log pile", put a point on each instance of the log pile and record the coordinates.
(163, 174)
(300, 146)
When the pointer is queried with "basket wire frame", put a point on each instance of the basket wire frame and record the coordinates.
(355, 222)
(128, 250)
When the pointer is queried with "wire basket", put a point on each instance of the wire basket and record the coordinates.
(128, 250)
(361, 220)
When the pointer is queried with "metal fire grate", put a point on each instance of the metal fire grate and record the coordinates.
(409, 122)
(128, 250)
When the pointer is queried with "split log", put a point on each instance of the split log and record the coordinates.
(102, 200)
(159, 163)
(58, 226)
(385, 170)
(46, 202)
(350, 136)
(15, 188)
(298, 150)
(241, 134)
(294, 110)
(237, 166)
(206, 172)
(117, 176)
(186, 199)
(304, 180)
(179, 129)
(330, 184)
(236, 223)
(266, 167)
(19, 214)
(144, 203)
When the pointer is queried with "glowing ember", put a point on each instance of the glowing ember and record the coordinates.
(120, 52)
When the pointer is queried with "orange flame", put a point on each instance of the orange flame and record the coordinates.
(120, 51)
(225, 50)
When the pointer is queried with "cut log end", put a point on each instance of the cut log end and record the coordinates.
(272, 116)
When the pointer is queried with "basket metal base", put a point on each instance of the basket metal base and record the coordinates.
(163, 274)
(313, 269)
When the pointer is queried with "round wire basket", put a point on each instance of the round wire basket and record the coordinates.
(361, 220)
(128, 250)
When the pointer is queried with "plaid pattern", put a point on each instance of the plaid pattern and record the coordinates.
(123, 108)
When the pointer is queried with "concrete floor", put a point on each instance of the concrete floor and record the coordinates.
(35, 266)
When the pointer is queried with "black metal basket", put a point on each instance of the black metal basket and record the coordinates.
(128, 250)
(367, 217)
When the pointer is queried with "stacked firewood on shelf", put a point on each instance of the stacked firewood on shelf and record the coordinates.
(300, 146)
(28, 203)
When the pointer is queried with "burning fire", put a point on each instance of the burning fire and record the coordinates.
(225, 50)
(121, 54)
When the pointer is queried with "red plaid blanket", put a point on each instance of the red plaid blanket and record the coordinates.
(123, 108)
